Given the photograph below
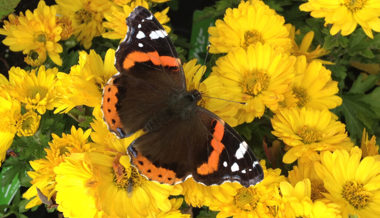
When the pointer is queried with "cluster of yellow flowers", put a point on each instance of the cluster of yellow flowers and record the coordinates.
(87, 173)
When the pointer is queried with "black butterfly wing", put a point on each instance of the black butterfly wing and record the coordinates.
(204, 147)
(149, 71)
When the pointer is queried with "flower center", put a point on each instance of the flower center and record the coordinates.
(317, 188)
(38, 92)
(83, 16)
(308, 134)
(301, 96)
(125, 178)
(255, 83)
(355, 194)
(246, 199)
(41, 37)
(354, 5)
(251, 37)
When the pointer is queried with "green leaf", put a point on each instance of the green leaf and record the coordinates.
(207, 214)
(373, 100)
(7, 7)
(9, 185)
(367, 53)
(357, 115)
(363, 83)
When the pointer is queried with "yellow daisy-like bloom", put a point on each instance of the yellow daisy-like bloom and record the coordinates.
(34, 31)
(75, 175)
(86, 17)
(84, 84)
(43, 176)
(351, 182)
(36, 89)
(345, 15)
(248, 24)
(307, 130)
(66, 25)
(368, 146)
(115, 24)
(261, 200)
(259, 76)
(93, 176)
(305, 170)
(304, 47)
(10, 112)
(313, 86)
(300, 204)
(28, 123)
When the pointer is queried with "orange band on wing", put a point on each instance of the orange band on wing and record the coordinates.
(213, 160)
(159, 174)
(109, 107)
(154, 57)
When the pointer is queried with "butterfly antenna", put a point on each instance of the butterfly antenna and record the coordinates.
(239, 102)
(208, 49)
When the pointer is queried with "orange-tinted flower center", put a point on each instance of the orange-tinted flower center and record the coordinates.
(355, 193)
(125, 178)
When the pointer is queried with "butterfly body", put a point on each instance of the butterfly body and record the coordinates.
(181, 139)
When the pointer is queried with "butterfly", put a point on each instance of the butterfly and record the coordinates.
(181, 139)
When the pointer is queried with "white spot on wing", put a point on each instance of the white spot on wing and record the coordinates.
(139, 26)
(140, 35)
(140, 45)
(225, 164)
(235, 167)
(241, 150)
(150, 17)
(156, 34)
(243, 171)
(255, 163)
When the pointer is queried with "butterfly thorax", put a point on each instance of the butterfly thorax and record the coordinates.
(181, 105)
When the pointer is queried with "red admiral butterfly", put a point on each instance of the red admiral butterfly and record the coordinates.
(181, 139)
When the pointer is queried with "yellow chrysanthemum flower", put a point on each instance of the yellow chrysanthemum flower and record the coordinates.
(304, 47)
(261, 200)
(28, 123)
(10, 111)
(115, 24)
(305, 170)
(248, 24)
(36, 89)
(313, 86)
(84, 84)
(351, 182)
(307, 130)
(86, 17)
(299, 203)
(75, 175)
(43, 176)
(345, 15)
(368, 146)
(258, 76)
(35, 32)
